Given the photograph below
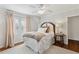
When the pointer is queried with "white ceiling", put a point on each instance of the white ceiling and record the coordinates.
(60, 8)
(32, 9)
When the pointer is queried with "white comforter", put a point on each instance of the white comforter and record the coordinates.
(39, 46)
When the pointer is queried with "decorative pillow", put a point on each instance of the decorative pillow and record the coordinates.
(39, 35)
(29, 34)
(50, 28)
(44, 26)
(42, 30)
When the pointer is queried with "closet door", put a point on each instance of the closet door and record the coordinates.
(19, 28)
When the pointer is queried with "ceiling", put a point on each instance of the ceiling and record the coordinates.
(59, 8)
(32, 9)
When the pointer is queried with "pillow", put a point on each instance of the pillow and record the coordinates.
(50, 28)
(39, 35)
(29, 34)
(44, 26)
(42, 30)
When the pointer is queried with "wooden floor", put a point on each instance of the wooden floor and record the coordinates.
(2, 49)
(72, 45)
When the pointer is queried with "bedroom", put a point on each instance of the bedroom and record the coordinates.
(19, 21)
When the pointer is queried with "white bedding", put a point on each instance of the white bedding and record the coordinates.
(35, 35)
(38, 46)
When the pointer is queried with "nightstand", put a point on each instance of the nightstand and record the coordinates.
(59, 39)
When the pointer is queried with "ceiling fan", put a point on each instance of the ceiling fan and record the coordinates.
(41, 9)
(44, 9)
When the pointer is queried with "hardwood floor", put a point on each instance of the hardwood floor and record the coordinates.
(2, 49)
(72, 45)
(61, 45)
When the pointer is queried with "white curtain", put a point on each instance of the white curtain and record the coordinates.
(9, 42)
(28, 24)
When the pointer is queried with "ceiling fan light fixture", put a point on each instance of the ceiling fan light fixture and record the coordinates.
(41, 11)
(43, 7)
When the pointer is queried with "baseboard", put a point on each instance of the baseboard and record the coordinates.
(19, 43)
(73, 40)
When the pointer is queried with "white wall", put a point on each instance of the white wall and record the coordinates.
(2, 27)
(73, 28)
(35, 22)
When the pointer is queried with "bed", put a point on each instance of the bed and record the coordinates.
(42, 39)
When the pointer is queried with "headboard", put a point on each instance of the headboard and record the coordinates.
(51, 24)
